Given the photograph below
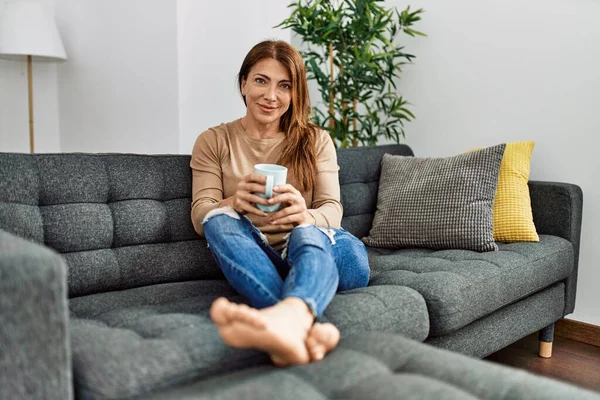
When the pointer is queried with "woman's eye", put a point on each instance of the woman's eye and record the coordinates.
(286, 86)
(260, 80)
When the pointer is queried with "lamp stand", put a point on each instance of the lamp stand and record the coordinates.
(30, 93)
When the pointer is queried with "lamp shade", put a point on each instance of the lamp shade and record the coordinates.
(27, 29)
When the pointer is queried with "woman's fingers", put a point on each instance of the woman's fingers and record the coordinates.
(251, 188)
(251, 197)
(285, 212)
(286, 188)
(255, 178)
(253, 183)
(291, 214)
(295, 219)
(243, 205)
(246, 189)
(295, 212)
(286, 193)
(284, 198)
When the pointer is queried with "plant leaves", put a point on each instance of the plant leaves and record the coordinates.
(368, 62)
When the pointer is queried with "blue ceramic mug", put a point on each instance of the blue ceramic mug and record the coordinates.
(276, 175)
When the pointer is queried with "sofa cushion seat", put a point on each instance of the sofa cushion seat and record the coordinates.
(373, 365)
(132, 342)
(461, 286)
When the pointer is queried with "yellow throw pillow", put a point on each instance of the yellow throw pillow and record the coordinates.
(513, 219)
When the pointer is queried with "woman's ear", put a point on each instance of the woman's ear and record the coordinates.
(243, 86)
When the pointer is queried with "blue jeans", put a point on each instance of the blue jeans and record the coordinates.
(318, 261)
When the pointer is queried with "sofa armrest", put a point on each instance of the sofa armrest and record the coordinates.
(35, 352)
(557, 210)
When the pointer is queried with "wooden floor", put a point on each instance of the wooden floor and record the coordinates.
(574, 362)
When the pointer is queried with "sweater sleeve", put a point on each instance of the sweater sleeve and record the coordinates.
(326, 207)
(207, 183)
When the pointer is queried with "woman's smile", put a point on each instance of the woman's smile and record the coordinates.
(267, 109)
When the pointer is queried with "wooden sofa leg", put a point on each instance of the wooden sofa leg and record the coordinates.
(546, 337)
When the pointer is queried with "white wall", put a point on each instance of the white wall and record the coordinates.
(118, 92)
(491, 72)
(143, 76)
(14, 117)
(213, 40)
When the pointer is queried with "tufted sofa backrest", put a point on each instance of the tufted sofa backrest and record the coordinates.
(123, 220)
(119, 220)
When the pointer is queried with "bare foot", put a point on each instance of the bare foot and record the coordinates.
(281, 330)
(223, 312)
(322, 338)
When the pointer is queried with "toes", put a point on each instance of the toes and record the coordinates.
(219, 311)
(243, 313)
(327, 334)
(280, 362)
(322, 338)
(237, 312)
(317, 355)
(229, 310)
(316, 351)
(311, 340)
(248, 315)
(256, 319)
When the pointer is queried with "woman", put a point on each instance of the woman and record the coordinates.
(288, 264)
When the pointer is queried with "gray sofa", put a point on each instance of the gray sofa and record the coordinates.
(105, 289)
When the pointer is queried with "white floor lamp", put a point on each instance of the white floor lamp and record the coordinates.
(27, 31)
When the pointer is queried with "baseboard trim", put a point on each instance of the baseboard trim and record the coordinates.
(579, 331)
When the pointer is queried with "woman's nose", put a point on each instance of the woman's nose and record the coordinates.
(271, 93)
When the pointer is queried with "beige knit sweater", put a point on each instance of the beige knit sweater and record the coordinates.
(223, 155)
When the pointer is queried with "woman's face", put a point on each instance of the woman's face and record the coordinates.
(268, 91)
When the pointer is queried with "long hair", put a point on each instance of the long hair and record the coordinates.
(299, 152)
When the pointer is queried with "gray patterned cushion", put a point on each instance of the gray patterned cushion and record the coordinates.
(437, 203)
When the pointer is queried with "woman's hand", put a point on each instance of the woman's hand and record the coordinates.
(244, 199)
(295, 212)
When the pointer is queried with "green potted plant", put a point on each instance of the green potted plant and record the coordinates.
(352, 54)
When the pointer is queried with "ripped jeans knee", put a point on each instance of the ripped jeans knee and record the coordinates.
(229, 211)
(234, 221)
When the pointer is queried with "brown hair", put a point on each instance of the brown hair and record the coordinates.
(299, 152)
